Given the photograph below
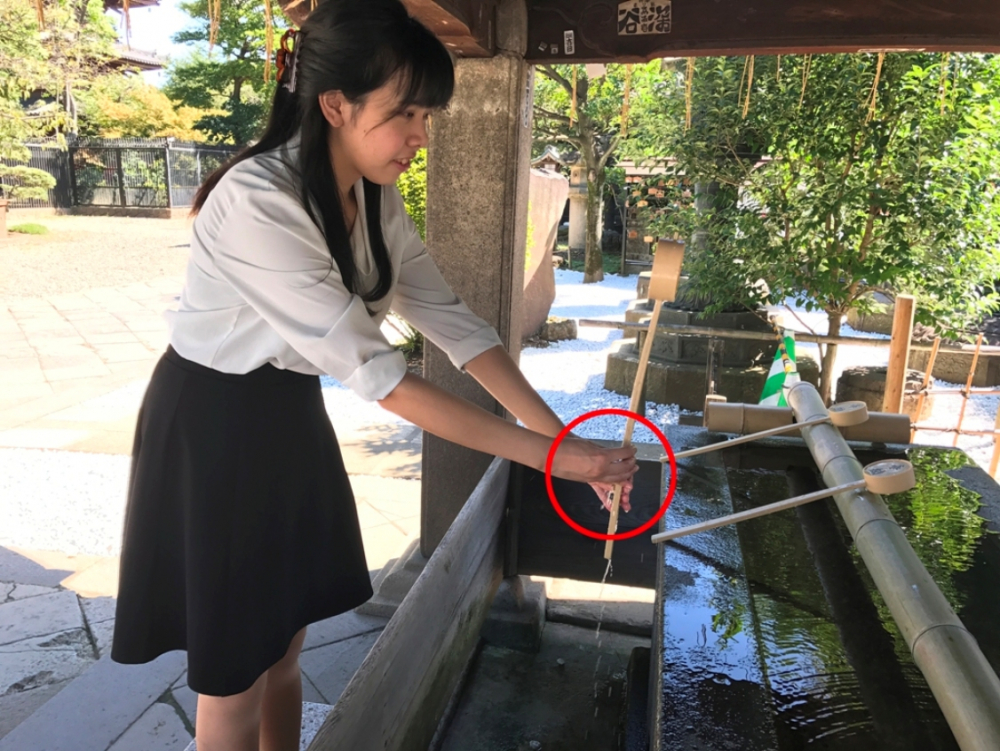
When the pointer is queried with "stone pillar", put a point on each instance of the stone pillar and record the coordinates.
(577, 211)
(477, 202)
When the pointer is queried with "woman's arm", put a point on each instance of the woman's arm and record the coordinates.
(496, 370)
(455, 419)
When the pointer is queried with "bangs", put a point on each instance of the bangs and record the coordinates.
(424, 70)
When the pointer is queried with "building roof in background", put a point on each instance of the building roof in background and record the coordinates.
(646, 168)
(129, 57)
(550, 154)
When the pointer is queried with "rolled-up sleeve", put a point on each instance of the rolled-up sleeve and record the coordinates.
(424, 298)
(276, 258)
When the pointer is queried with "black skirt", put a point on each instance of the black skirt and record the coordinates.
(240, 528)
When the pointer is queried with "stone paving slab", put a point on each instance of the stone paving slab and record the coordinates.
(39, 616)
(18, 707)
(96, 709)
(344, 626)
(187, 700)
(330, 668)
(98, 609)
(42, 661)
(16, 567)
(159, 729)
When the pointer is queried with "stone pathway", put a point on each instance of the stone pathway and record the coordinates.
(59, 351)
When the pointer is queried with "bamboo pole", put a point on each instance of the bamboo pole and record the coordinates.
(968, 385)
(956, 430)
(923, 389)
(640, 377)
(963, 682)
(755, 513)
(899, 354)
(686, 330)
(744, 439)
(985, 391)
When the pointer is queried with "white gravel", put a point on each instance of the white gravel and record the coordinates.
(74, 502)
(570, 375)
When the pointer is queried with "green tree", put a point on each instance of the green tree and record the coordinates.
(120, 106)
(22, 73)
(412, 185)
(229, 78)
(592, 127)
(803, 172)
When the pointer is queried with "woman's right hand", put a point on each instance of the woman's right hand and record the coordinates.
(582, 461)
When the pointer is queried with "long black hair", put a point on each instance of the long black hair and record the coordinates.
(356, 47)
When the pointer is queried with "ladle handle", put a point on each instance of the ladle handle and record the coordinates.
(640, 376)
(746, 438)
(753, 513)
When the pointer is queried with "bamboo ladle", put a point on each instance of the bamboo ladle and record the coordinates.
(884, 478)
(662, 288)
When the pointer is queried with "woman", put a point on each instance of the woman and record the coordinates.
(241, 527)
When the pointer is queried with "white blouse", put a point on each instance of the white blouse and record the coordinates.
(261, 287)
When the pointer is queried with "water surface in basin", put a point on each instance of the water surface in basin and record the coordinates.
(839, 672)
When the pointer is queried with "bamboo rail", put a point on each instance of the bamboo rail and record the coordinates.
(687, 330)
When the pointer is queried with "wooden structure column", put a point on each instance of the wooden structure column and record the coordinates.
(477, 202)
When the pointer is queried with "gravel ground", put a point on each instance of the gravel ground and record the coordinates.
(570, 375)
(83, 252)
(74, 502)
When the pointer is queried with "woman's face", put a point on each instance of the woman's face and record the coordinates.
(372, 139)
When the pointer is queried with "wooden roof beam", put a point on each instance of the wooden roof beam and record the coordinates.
(467, 27)
(639, 30)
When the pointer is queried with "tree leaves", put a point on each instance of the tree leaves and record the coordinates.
(825, 205)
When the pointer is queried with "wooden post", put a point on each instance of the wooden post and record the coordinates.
(899, 354)
(968, 387)
(923, 391)
(996, 447)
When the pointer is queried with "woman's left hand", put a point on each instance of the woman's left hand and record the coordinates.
(603, 491)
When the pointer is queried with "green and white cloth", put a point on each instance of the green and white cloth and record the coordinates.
(783, 372)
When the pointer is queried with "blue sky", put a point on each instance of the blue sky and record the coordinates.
(152, 29)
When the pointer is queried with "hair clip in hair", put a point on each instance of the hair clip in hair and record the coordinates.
(288, 59)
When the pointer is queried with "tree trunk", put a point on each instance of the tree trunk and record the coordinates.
(593, 270)
(829, 358)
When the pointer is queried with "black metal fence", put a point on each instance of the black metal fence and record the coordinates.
(124, 173)
(51, 159)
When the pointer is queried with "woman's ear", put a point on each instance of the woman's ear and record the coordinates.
(333, 106)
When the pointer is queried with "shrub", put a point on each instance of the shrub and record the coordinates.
(29, 228)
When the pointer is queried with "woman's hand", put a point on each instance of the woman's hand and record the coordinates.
(603, 490)
(580, 460)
